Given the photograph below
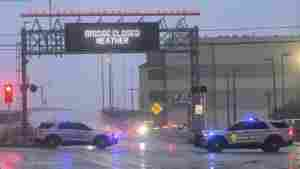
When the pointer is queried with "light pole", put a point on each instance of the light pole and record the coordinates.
(234, 94)
(110, 93)
(227, 75)
(274, 83)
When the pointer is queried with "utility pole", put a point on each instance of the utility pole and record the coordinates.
(214, 87)
(282, 81)
(102, 82)
(125, 82)
(234, 95)
(227, 76)
(112, 80)
(274, 86)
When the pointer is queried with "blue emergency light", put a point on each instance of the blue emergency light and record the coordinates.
(211, 133)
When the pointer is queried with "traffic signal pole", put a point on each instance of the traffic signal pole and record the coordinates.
(24, 85)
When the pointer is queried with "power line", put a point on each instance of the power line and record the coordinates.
(7, 50)
(250, 28)
(8, 45)
(9, 34)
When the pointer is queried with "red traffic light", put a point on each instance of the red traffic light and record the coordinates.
(8, 89)
(8, 93)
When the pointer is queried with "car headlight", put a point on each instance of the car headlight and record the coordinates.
(208, 134)
(143, 130)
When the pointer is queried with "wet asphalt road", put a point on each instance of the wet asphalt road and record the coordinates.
(150, 154)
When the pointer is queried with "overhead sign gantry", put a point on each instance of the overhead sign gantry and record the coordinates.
(80, 36)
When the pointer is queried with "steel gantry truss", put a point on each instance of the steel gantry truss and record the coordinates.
(38, 38)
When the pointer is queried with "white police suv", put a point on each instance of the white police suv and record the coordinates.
(72, 133)
(270, 136)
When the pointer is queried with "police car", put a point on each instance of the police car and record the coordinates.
(72, 133)
(270, 136)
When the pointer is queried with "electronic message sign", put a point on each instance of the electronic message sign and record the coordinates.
(111, 37)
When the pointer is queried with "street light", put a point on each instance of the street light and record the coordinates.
(108, 59)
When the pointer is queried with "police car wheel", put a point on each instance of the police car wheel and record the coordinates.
(52, 141)
(215, 147)
(196, 144)
(271, 146)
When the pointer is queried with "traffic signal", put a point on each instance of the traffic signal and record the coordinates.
(33, 88)
(8, 93)
(203, 89)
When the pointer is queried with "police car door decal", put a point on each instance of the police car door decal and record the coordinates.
(232, 138)
(240, 137)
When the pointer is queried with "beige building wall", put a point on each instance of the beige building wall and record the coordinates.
(247, 54)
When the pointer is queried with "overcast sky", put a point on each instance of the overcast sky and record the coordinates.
(72, 80)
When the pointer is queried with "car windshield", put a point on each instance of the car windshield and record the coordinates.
(46, 125)
(280, 124)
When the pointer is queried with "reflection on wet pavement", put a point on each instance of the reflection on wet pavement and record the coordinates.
(145, 155)
(10, 160)
(116, 160)
(294, 157)
(172, 148)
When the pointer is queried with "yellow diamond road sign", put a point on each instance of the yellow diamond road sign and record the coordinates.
(156, 108)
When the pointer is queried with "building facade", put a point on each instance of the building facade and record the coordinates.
(244, 62)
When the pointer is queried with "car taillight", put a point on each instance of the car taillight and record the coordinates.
(291, 132)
